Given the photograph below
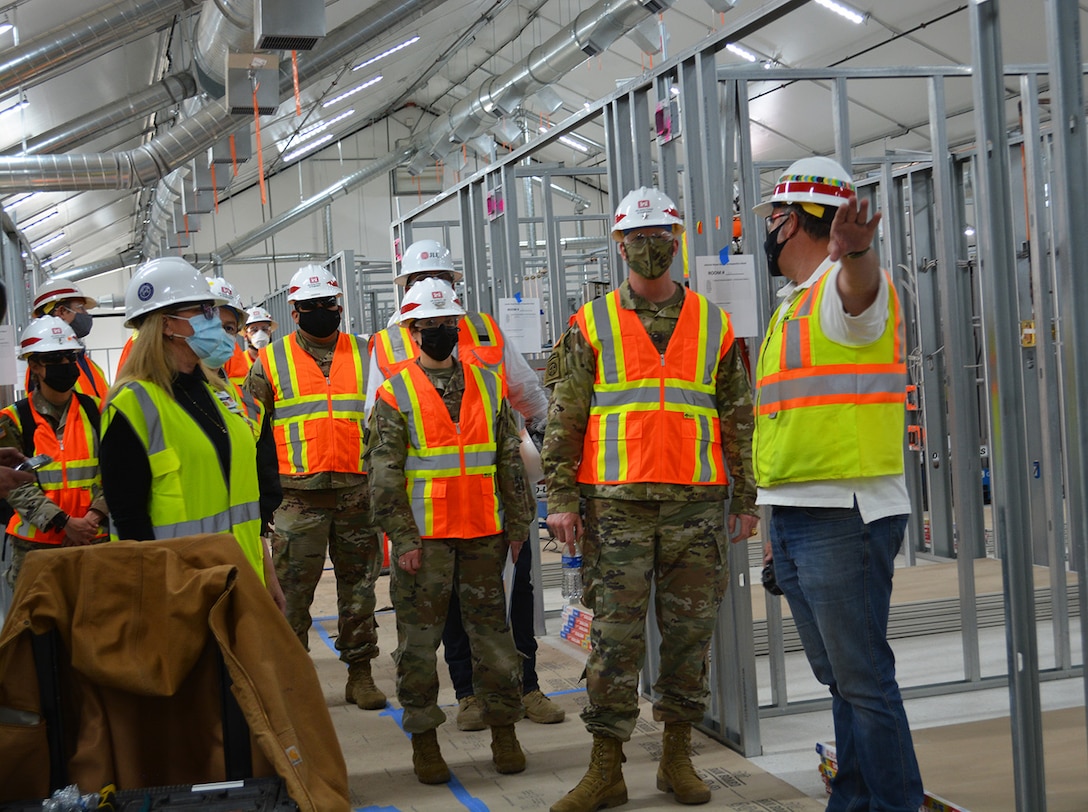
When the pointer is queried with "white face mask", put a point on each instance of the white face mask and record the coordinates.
(259, 338)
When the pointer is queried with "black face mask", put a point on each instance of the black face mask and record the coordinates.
(438, 342)
(320, 323)
(81, 325)
(773, 249)
(61, 377)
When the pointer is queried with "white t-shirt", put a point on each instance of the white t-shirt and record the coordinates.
(877, 496)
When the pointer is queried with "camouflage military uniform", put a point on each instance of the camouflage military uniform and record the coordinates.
(325, 510)
(30, 500)
(674, 533)
(471, 566)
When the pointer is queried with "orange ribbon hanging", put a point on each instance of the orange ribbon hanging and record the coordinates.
(294, 70)
(215, 189)
(233, 156)
(260, 154)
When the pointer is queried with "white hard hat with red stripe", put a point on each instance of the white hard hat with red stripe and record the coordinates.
(57, 290)
(312, 282)
(426, 256)
(646, 207)
(818, 182)
(430, 298)
(46, 335)
(221, 287)
(166, 282)
(256, 315)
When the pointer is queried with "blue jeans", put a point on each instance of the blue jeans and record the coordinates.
(836, 572)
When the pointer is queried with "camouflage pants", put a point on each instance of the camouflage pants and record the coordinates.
(474, 568)
(308, 523)
(681, 546)
(19, 549)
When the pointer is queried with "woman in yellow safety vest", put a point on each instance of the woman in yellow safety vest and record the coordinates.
(177, 456)
(64, 508)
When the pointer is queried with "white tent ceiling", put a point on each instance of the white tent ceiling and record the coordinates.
(461, 45)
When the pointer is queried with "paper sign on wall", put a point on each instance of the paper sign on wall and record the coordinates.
(731, 287)
(520, 322)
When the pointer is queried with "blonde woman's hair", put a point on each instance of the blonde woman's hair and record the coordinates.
(151, 362)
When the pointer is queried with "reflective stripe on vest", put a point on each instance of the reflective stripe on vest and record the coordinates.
(826, 410)
(480, 342)
(450, 469)
(653, 417)
(66, 481)
(317, 421)
(189, 493)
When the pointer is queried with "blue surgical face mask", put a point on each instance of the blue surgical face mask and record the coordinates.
(211, 343)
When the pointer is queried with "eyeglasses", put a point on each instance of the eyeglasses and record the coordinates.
(640, 240)
(309, 305)
(55, 359)
(209, 311)
(777, 215)
(444, 321)
(74, 307)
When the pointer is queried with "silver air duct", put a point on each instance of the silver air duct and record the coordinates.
(70, 45)
(229, 30)
(171, 90)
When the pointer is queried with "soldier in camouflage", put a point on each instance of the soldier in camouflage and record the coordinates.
(647, 515)
(456, 541)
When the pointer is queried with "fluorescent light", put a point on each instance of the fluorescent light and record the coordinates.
(743, 53)
(352, 91)
(18, 200)
(47, 241)
(18, 104)
(295, 153)
(311, 131)
(5, 23)
(38, 219)
(570, 142)
(843, 10)
(55, 257)
(384, 54)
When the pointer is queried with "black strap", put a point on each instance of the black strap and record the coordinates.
(90, 408)
(27, 426)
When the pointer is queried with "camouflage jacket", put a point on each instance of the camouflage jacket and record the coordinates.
(257, 384)
(387, 451)
(570, 374)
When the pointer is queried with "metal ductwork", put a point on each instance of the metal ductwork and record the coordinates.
(171, 90)
(70, 45)
(114, 263)
(227, 30)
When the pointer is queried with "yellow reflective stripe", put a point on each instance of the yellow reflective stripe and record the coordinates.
(487, 388)
(704, 330)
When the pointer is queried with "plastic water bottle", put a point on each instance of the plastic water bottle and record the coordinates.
(572, 577)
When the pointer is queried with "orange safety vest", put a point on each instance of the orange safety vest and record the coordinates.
(480, 342)
(125, 351)
(653, 416)
(318, 421)
(237, 366)
(68, 479)
(450, 469)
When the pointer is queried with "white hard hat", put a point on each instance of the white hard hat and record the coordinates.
(255, 315)
(817, 181)
(426, 256)
(221, 287)
(48, 334)
(56, 290)
(646, 207)
(430, 298)
(312, 282)
(165, 282)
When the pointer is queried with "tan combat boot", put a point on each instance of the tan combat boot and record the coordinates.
(602, 786)
(505, 750)
(470, 716)
(361, 688)
(427, 761)
(675, 773)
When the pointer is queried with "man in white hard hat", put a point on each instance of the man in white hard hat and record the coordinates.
(65, 507)
(259, 327)
(480, 342)
(832, 367)
(326, 502)
(450, 524)
(66, 301)
(650, 423)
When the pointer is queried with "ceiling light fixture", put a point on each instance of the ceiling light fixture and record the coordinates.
(321, 126)
(741, 51)
(18, 200)
(352, 92)
(295, 153)
(386, 53)
(5, 23)
(18, 104)
(38, 219)
(56, 257)
(570, 142)
(47, 241)
(843, 10)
